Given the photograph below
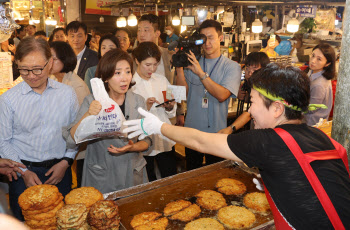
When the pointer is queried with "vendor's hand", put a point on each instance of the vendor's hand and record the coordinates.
(149, 125)
(123, 149)
(150, 101)
(195, 67)
(30, 178)
(57, 172)
(227, 130)
(10, 168)
(95, 108)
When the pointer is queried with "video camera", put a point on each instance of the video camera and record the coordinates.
(188, 42)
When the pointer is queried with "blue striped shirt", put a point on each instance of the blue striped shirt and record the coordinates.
(31, 123)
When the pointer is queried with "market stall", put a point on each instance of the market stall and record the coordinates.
(154, 196)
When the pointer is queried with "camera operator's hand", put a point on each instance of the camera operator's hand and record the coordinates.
(195, 67)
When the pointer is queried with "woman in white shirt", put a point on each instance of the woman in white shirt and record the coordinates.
(150, 86)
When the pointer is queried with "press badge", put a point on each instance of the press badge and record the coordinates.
(205, 102)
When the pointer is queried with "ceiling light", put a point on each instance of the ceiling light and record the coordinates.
(176, 20)
(132, 20)
(293, 25)
(257, 26)
(121, 22)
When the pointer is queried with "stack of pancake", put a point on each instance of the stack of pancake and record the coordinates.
(104, 214)
(39, 205)
(84, 195)
(72, 216)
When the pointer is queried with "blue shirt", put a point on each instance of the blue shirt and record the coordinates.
(227, 73)
(174, 37)
(31, 123)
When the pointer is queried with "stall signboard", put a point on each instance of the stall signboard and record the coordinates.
(325, 19)
(98, 6)
(308, 11)
(6, 76)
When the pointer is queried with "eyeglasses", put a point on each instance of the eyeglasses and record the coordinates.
(37, 71)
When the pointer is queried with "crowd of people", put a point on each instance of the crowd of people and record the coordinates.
(40, 116)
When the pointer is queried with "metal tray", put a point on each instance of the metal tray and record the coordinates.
(154, 196)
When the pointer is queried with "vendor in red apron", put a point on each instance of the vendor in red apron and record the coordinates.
(305, 173)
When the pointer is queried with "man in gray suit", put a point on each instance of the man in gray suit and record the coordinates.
(86, 58)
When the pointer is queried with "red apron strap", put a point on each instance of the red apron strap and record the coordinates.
(342, 152)
(313, 179)
(280, 222)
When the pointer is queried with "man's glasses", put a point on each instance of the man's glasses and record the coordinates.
(37, 71)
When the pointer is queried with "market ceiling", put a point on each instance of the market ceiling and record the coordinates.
(227, 2)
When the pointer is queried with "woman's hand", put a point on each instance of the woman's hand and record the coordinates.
(150, 101)
(12, 48)
(169, 105)
(95, 108)
(123, 149)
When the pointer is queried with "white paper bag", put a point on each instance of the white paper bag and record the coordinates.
(107, 123)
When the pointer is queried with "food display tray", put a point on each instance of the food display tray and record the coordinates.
(155, 195)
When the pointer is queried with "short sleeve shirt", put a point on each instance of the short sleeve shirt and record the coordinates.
(226, 73)
(285, 180)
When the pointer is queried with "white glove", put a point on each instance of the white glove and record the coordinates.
(257, 183)
(146, 126)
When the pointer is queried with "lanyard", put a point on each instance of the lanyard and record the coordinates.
(213, 67)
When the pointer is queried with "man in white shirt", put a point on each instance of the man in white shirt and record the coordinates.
(77, 36)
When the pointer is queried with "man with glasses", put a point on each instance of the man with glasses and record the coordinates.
(32, 115)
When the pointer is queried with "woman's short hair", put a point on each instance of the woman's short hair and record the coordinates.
(111, 37)
(65, 53)
(106, 66)
(287, 82)
(30, 44)
(145, 50)
(328, 52)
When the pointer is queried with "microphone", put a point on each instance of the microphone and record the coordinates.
(172, 45)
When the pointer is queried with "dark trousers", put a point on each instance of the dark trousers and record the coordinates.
(80, 166)
(194, 159)
(166, 162)
(17, 187)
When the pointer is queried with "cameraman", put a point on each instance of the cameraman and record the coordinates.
(209, 82)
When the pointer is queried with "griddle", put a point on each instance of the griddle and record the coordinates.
(155, 195)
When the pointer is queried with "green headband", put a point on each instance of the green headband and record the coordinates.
(311, 107)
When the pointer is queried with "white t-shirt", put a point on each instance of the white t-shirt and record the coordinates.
(153, 88)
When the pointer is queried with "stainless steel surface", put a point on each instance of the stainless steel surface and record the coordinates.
(154, 196)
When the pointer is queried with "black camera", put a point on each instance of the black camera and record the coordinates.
(185, 44)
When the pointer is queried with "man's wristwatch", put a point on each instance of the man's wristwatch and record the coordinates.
(233, 128)
(69, 160)
(206, 75)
